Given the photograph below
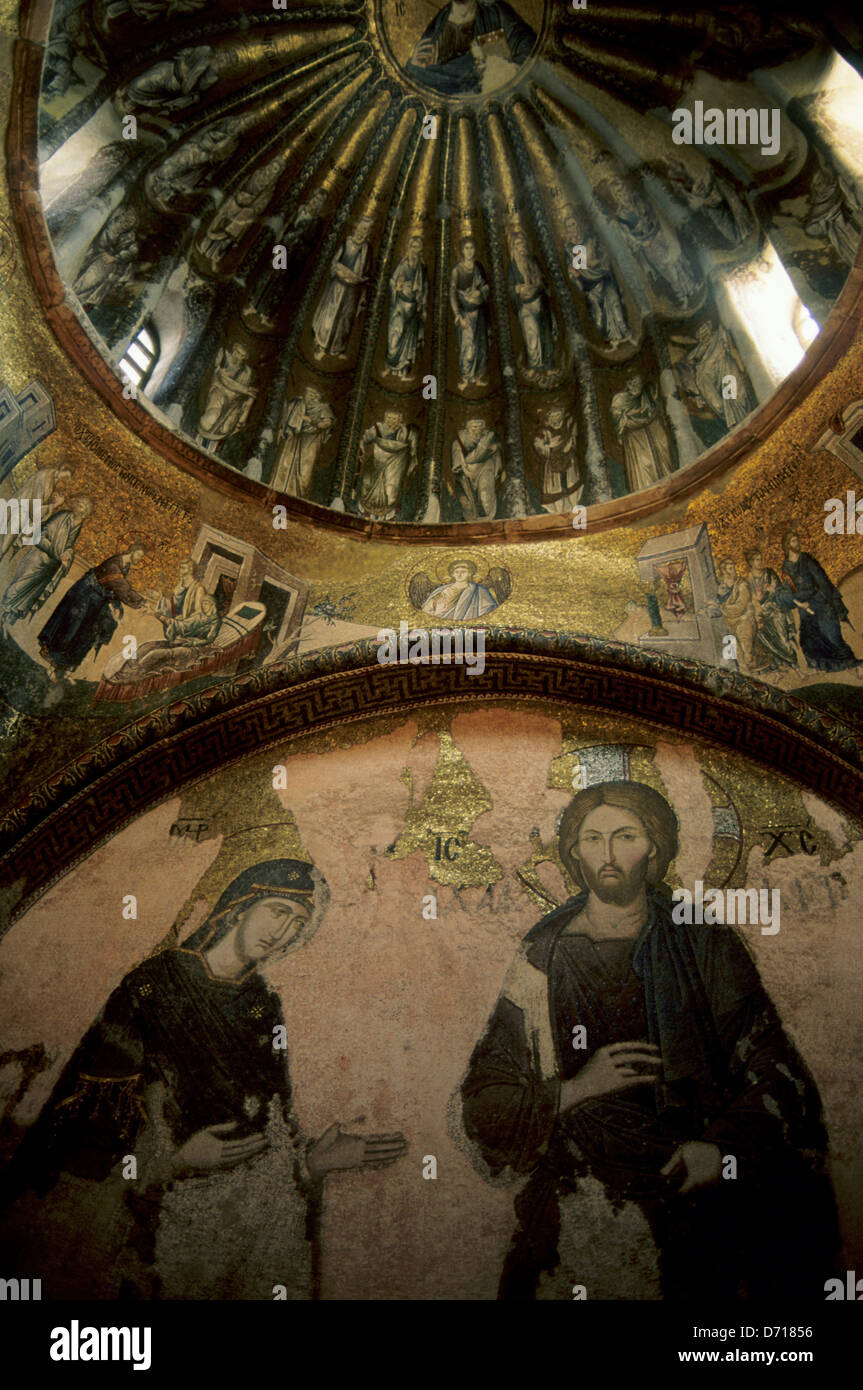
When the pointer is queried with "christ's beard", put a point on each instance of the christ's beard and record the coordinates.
(621, 887)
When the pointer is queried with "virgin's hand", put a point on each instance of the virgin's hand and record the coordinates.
(205, 1151)
(616, 1067)
(335, 1151)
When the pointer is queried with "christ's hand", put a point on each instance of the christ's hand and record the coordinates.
(206, 1151)
(697, 1164)
(423, 55)
(336, 1151)
(615, 1067)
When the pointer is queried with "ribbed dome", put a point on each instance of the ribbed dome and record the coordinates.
(447, 265)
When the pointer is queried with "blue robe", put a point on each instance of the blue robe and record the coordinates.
(458, 73)
(85, 617)
(474, 601)
(821, 639)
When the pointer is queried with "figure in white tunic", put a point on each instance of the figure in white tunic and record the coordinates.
(409, 292)
(390, 459)
(646, 449)
(344, 293)
(306, 425)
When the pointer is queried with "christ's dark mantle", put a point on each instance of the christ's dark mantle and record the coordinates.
(730, 1077)
(455, 70)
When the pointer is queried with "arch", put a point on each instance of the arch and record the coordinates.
(110, 785)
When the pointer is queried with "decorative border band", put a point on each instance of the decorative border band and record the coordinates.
(176, 745)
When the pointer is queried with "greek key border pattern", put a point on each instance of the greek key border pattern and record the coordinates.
(137, 767)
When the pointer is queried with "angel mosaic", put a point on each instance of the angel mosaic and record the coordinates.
(460, 597)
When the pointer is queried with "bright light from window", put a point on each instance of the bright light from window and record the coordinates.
(129, 372)
(838, 110)
(142, 358)
(138, 357)
(779, 325)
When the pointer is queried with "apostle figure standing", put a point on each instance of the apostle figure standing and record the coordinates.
(184, 173)
(589, 268)
(529, 294)
(229, 398)
(656, 246)
(175, 82)
(389, 460)
(306, 424)
(834, 213)
(240, 211)
(409, 291)
(468, 297)
(344, 293)
(477, 466)
(112, 263)
(646, 450)
(561, 485)
(274, 286)
(714, 376)
(715, 197)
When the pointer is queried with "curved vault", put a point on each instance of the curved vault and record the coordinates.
(159, 753)
(180, 143)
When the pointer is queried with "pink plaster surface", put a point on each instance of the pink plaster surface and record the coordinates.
(383, 1008)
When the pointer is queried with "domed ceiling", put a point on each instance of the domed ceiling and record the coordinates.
(445, 265)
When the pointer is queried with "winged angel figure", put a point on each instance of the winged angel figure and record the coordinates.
(460, 597)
